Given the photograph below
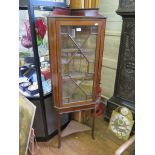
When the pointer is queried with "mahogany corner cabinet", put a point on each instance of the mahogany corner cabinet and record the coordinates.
(76, 48)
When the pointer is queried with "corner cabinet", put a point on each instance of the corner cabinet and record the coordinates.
(76, 48)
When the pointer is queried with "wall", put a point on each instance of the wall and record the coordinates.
(111, 45)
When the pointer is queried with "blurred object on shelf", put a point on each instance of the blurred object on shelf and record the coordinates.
(29, 60)
(93, 3)
(76, 4)
(21, 62)
(45, 65)
(23, 86)
(23, 79)
(33, 77)
(46, 73)
(79, 4)
(68, 3)
(23, 54)
(97, 5)
(40, 28)
(22, 70)
(29, 73)
(32, 89)
(26, 39)
(46, 87)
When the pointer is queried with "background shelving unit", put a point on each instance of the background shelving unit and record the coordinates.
(44, 121)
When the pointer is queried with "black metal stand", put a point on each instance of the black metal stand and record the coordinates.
(124, 93)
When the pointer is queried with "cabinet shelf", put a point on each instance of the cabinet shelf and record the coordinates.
(33, 96)
(75, 50)
(77, 75)
(36, 96)
(62, 33)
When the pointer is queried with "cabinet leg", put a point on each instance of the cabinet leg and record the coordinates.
(93, 123)
(59, 129)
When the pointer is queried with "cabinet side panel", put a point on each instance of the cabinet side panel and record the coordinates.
(53, 58)
(58, 47)
(99, 54)
(102, 36)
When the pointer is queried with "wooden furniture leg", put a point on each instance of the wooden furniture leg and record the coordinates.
(93, 123)
(59, 129)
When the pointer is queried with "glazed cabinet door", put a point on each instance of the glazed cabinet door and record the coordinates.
(77, 61)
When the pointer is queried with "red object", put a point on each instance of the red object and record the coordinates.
(100, 109)
(40, 27)
(46, 74)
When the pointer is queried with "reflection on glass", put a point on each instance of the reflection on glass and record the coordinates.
(43, 50)
(27, 72)
(78, 46)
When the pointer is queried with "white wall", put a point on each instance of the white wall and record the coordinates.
(111, 45)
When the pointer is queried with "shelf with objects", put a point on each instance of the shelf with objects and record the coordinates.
(34, 66)
(27, 70)
(76, 54)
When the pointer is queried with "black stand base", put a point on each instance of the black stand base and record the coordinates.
(113, 103)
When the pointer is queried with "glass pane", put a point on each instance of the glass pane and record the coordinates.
(27, 70)
(78, 47)
(43, 50)
(27, 73)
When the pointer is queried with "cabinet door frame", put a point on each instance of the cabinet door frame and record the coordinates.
(55, 50)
